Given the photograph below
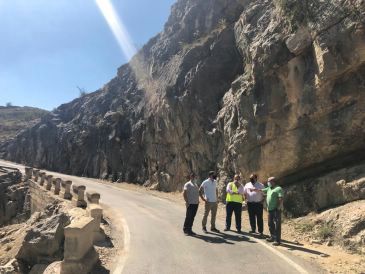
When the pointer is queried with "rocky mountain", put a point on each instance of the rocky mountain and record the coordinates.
(273, 87)
(14, 119)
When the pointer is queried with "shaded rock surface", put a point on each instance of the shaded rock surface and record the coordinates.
(14, 198)
(229, 85)
(43, 242)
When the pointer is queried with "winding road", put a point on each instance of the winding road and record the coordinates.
(153, 241)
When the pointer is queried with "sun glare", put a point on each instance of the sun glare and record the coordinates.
(117, 27)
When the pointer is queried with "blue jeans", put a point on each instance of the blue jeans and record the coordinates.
(275, 224)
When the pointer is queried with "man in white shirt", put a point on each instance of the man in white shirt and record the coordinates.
(208, 193)
(255, 204)
(191, 197)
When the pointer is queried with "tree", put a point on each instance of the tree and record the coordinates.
(82, 91)
(9, 104)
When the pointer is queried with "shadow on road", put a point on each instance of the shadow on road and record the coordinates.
(303, 249)
(223, 238)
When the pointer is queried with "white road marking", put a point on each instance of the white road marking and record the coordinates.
(126, 247)
(281, 255)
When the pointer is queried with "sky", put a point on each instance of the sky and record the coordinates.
(49, 48)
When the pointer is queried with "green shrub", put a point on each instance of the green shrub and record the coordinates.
(304, 227)
(324, 231)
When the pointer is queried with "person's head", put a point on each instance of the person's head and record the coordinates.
(271, 181)
(192, 176)
(212, 175)
(253, 178)
(237, 178)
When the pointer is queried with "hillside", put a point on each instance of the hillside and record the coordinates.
(15, 119)
(273, 87)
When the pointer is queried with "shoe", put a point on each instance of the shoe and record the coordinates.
(191, 233)
(261, 235)
(215, 230)
(205, 230)
(252, 231)
(239, 231)
(226, 229)
(270, 239)
(186, 233)
(276, 243)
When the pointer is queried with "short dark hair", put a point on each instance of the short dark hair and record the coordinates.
(211, 173)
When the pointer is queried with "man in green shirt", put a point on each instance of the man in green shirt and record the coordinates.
(274, 201)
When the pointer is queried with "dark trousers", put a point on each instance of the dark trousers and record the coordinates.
(255, 212)
(275, 224)
(191, 210)
(237, 209)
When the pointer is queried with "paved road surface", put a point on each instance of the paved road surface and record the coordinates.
(154, 242)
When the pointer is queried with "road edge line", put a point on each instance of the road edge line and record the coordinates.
(299, 268)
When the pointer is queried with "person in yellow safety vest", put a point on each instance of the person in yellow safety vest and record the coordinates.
(234, 200)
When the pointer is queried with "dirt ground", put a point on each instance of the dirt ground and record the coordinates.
(334, 259)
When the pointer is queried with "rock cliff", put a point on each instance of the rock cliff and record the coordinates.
(273, 87)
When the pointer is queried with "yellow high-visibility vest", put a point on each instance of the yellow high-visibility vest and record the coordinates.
(234, 197)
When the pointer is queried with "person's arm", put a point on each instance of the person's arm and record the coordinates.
(201, 191)
(229, 188)
(280, 199)
(216, 193)
(185, 195)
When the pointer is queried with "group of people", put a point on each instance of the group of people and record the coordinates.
(253, 193)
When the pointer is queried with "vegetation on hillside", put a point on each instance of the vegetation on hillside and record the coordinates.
(14, 119)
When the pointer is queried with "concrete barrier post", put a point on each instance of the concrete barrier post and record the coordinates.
(79, 253)
(28, 173)
(93, 197)
(49, 182)
(57, 186)
(43, 177)
(36, 174)
(67, 185)
(96, 212)
(81, 197)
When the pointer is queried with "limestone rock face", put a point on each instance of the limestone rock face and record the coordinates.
(14, 199)
(229, 85)
(43, 242)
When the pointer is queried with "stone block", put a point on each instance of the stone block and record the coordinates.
(57, 185)
(43, 178)
(96, 212)
(28, 173)
(78, 238)
(93, 197)
(49, 182)
(36, 174)
(67, 190)
(81, 197)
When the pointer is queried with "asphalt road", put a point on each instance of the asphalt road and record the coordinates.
(154, 242)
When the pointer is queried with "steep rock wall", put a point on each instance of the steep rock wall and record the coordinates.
(232, 85)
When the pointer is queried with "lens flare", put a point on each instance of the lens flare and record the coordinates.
(117, 27)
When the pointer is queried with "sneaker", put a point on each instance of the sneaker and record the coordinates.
(252, 231)
(261, 235)
(239, 231)
(205, 230)
(270, 239)
(215, 230)
(191, 233)
(276, 243)
(226, 229)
